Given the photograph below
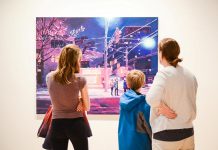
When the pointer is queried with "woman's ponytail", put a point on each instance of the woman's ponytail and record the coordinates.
(175, 62)
(170, 51)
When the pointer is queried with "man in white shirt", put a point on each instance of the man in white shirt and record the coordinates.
(175, 87)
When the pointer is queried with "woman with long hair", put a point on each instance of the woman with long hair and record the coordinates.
(69, 98)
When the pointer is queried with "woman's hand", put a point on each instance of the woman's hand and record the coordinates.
(163, 109)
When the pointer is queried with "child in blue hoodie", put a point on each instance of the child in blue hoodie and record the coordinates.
(134, 132)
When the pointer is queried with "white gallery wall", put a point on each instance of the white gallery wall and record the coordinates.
(194, 23)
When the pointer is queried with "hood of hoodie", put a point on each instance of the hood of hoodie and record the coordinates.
(130, 99)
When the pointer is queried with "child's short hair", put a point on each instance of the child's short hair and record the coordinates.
(135, 79)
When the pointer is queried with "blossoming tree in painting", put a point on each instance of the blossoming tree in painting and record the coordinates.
(47, 29)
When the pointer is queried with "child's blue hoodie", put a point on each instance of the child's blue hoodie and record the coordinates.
(134, 132)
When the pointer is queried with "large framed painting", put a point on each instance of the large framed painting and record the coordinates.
(111, 47)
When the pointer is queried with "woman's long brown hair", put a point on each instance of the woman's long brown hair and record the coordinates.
(68, 64)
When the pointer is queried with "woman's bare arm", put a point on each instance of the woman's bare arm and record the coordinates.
(84, 104)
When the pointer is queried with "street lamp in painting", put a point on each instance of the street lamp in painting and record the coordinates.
(117, 35)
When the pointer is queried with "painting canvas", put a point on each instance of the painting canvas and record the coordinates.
(111, 47)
